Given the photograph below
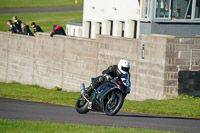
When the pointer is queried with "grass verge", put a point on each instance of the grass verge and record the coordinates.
(15, 126)
(182, 106)
(38, 3)
(36, 93)
(46, 20)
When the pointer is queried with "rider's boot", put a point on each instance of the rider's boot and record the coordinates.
(95, 84)
(89, 90)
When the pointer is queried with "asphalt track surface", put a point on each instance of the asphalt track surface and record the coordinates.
(36, 111)
(41, 9)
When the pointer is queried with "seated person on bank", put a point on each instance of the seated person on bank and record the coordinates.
(57, 30)
(26, 29)
(36, 28)
(11, 27)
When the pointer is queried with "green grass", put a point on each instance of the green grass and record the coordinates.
(36, 93)
(37, 3)
(182, 106)
(45, 20)
(14, 126)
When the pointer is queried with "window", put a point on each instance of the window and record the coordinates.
(181, 9)
(109, 29)
(88, 28)
(135, 29)
(177, 9)
(121, 28)
(162, 8)
(132, 29)
(74, 32)
(197, 9)
(98, 28)
(146, 6)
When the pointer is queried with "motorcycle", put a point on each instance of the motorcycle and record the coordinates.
(108, 97)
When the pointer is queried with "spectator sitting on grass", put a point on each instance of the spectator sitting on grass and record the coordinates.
(17, 24)
(11, 27)
(57, 30)
(36, 28)
(26, 29)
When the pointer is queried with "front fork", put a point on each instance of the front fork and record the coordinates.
(82, 88)
(113, 95)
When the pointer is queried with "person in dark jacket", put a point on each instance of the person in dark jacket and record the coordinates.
(11, 27)
(111, 72)
(17, 24)
(26, 29)
(36, 28)
(57, 30)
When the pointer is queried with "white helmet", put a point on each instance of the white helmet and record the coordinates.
(124, 66)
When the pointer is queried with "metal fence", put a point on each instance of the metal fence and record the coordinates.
(194, 58)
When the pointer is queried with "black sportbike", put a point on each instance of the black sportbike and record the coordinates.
(108, 97)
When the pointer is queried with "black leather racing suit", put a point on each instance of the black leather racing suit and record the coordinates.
(111, 71)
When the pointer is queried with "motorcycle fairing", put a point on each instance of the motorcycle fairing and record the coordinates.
(100, 94)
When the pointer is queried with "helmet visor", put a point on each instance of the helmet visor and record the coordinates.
(126, 69)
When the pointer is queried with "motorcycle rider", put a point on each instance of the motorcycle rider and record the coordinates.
(111, 72)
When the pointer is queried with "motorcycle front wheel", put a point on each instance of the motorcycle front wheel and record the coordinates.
(81, 105)
(114, 103)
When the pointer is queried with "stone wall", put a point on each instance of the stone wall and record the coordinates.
(151, 69)
(178, 52)
(147, 75)
(66, 61)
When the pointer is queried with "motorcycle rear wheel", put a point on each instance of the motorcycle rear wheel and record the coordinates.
(81, 105)
(113, 107)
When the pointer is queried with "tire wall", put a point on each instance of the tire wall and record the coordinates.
(189, 83)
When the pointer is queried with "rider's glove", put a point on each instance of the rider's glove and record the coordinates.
(128, 90)
(107, 77)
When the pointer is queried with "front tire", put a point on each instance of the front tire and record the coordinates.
(81, 105)
(113, 106)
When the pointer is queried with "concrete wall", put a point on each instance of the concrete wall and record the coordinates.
(67, 61)
(46, 61)
(16, 58)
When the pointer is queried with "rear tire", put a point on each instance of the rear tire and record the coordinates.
(117, 106)
(81, 105)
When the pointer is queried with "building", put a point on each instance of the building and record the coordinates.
(111, 17)
(129, 18)
(170, 17)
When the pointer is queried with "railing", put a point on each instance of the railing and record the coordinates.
(191, 58)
